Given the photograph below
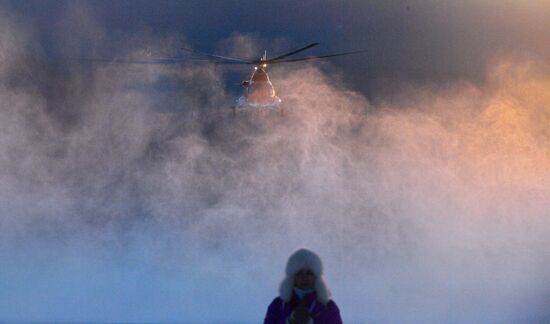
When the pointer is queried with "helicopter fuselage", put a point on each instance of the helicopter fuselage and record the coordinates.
(258, 92)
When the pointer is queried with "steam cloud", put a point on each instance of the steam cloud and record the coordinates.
(127, 194)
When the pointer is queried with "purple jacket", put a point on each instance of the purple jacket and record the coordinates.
(278, 311)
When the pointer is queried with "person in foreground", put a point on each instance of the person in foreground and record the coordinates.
(303, 295)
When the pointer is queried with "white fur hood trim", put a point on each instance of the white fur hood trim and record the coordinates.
(304, 259)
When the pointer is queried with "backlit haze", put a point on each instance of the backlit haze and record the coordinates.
(418, 171)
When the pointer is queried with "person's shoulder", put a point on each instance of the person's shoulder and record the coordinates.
(332, 304)
(276, 301)
(332, 313)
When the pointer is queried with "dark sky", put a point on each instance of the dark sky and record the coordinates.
(411, 41)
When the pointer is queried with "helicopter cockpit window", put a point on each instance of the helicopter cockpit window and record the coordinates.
(260, 76)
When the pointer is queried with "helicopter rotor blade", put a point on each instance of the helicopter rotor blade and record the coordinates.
(167, 60)
(293, 52)
(162, 61)
(219, 57)
(234, 63)
(307, 58)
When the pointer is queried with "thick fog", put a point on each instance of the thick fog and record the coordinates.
(130, 193)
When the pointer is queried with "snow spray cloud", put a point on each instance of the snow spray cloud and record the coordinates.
(126, 198)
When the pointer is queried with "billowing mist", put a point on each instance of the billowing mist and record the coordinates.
(131, 193)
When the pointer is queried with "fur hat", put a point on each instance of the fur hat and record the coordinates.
(304, 259)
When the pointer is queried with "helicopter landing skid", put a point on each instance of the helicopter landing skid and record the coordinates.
(244, 105)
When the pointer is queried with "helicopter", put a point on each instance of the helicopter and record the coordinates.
(258, 92)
